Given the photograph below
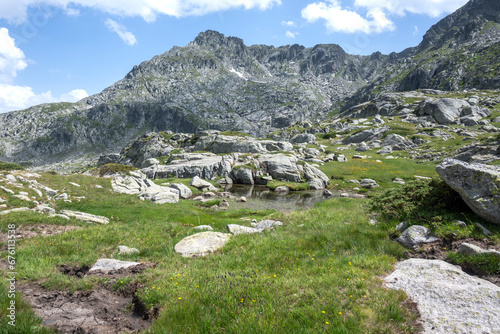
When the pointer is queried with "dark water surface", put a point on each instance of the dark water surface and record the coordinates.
(261, 198)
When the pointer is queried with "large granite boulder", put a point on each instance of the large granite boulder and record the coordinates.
(366, 135)
(315, 176)
(201, 244)
(132, 184)
(444, 111)
(217, 143)
(303, 138)
(243, 175)
(188, 165)
(183, 190)
(478, 184)
(281, 167)
(397, 142)
(449, 300)
(416, 235)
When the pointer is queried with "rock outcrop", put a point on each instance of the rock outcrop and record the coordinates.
(449, 301)
(201, 244)
(477, 184)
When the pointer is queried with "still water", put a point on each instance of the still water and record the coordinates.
(261, 198)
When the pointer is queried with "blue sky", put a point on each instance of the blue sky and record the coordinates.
(64, 50)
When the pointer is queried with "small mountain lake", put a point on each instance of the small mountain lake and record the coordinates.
(261, 198)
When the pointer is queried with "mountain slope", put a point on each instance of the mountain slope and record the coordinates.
(217, 82)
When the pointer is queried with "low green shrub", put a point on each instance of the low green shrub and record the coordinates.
(10, 166)
(488, 264)
(293, 186)
(115, 168)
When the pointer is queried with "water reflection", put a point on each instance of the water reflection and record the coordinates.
(261, 198)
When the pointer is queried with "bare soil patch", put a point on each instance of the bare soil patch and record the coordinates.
(98, 311)
(42, 230)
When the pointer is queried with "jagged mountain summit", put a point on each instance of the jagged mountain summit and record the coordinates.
(217, 82)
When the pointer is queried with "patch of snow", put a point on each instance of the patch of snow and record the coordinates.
(237, 73)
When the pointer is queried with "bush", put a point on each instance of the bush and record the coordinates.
(115, 168)
(327, 135)
(10, 166)
(419, 200)
(488, 264)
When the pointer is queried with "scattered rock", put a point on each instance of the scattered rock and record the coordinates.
(124, 250)
(7, 190)
(204, 227)
(459, 223)
(344, 195)
(86, 217)
(242, 199)
(201, 244)
(482, 228)
(2, 213)
(415, 235)
(282, 189)
(327, 193)
(448, 300)
(74, 184)
(398, 180)
(62, 196)
(106, 265)
(165, 197)
(469, 249)
(238, 229)
(402, 226)
(477, 184)
(202, 184)
(184, 191)
(267, 224)
(22, 197)
(368, 184)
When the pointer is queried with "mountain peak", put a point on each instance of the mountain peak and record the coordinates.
(214, 39)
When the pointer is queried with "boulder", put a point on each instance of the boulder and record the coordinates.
(267, 224)
(112, 158)
(2, 213)
(366, 135)
(204, 227)
(165, 197)
(303, 138)
(368, 184)
(242, 175)
(282, 189)
(448, 300)
(238, 229)
(184, 191)
(86, 217)
(201, 244)
(416, 235)
(316, 184)
(132, 184)
(444, 111)
(362, 147)
(469, 249)
(189, 165)
(477, 184)
(312, 173)
(397, 142)
(280, 167)
(107, 265)
(217, 143)
(202, 184)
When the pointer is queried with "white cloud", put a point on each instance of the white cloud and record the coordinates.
(20, 97)
(415, 30)
(11, 57)
(343, 20)
(13, 97)
(338, 19)
(15, 11)
(288, 24)
(122, 31)
(400, 7)
(290, 34)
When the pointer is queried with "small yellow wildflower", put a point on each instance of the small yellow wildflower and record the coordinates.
(323, 312)
(326, 322)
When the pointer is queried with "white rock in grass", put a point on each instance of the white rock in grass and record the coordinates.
(449, 300)
(124, 250)
(201, 244)
(7, 190)
(74, 184)
(13, 210)
(267, 224)
(415, 235)
(204, 227)
(238, 229)
(87, 217)
(106, 265)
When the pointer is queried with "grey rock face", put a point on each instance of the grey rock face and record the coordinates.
(201, 244)
(201, 184)
(303, 138)
(444, 111)
(229, 144)
(366, 136)
(243, 176)
(397, 142)
(477, 184)
(107, 265)
(281, 167)
(190, 165)
(449, 301)
(415, 235)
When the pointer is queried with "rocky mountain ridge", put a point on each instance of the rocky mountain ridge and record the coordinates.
(217, 82)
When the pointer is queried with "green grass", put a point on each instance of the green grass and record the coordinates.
(6, 166)
(115, 168)
(486, 264)
(235, 133)
(324, 259)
